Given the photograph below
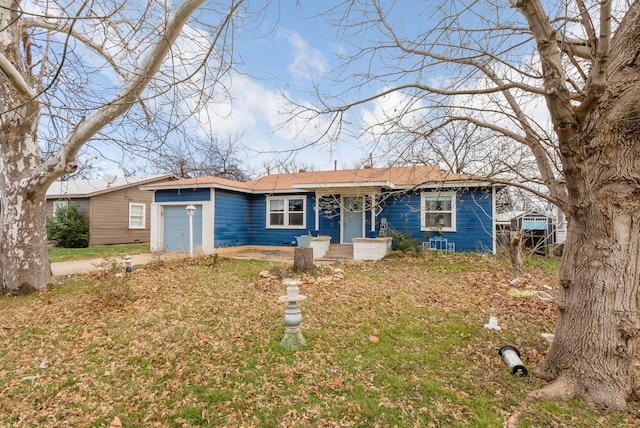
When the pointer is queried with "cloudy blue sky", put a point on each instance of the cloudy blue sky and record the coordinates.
(282, 52)
(289, 52)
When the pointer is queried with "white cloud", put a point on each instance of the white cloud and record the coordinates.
(308, 62)
(390, 112)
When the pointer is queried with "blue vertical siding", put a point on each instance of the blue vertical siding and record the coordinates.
(474, 221)
(260, 235)
(240, 219)
(330, 224)
(232, 213)
(402, 212)
(474, 225)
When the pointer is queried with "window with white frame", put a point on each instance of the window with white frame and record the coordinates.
(58, 205)
(438, 211)
(137, 216)
(287, 211)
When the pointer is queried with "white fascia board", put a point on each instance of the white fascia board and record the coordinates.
(223, 187)
(319, 187)
(315, 186)
(448, 184)
(348, 191)
(67, 195)
(196, 186)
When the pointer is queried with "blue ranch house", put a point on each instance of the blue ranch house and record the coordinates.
(350, 207)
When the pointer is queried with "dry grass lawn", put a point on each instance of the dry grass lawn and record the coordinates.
(196, 343)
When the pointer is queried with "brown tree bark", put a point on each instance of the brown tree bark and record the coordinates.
(593, 354)
(24, 261)
(515, 250)
(25, 267)
(303, 259)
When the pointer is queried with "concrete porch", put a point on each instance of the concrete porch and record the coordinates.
(339, 253)
(363, 249)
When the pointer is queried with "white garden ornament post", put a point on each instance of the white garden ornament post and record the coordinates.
(293, 338)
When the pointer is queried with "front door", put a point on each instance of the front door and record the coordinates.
(352, 218)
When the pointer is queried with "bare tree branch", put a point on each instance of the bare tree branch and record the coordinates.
(127, 96)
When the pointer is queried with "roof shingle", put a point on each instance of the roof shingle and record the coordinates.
(405, 176)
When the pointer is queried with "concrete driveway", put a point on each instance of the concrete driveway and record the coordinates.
(84, 266)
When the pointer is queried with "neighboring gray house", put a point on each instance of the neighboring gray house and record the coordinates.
(118, 211)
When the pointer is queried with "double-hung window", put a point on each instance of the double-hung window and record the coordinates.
(438, 211)
(287, 211)
(137, 216)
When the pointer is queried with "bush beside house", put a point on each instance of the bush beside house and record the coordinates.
(68, 228)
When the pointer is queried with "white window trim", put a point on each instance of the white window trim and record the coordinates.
(423, 210)
(144, 215)
(286, 212)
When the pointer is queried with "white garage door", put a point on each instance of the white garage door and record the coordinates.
(176, 228)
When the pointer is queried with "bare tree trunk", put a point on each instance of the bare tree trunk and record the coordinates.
(515, 250)
(24, 261)
(303, 259)
(593, 353)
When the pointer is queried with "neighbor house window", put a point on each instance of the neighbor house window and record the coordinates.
(59, 205)
(137, 216)
(286, 212)
(438, 211)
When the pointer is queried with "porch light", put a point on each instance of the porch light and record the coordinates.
(293, 338)
(190, 211)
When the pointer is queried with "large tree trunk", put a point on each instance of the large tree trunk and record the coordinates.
(593, 354)
(24, 261)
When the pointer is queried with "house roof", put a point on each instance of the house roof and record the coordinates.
(93, 187)
(404, 177)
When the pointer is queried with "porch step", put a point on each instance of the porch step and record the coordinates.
(339, 252)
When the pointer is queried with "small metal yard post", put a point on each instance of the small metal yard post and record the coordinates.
(190, 211)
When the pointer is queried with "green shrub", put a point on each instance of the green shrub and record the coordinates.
(407, 244)
(69, 228)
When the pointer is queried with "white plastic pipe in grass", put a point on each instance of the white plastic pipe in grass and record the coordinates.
(511, 357)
